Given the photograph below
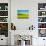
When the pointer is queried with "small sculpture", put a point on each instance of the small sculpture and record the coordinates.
(13, 27)
(31, 27)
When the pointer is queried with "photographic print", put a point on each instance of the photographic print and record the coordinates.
(22, 14)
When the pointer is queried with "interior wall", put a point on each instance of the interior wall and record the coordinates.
(23, 24)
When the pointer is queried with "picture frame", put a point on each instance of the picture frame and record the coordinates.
(22, 14)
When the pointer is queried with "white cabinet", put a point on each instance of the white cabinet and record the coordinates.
(3, 40)
(42, 19)
(41, 41)
(4, 21)
(42, 24)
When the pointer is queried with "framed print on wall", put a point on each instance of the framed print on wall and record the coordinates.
(22, 14)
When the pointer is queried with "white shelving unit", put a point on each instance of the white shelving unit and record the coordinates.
(42, 18)
(3, 12)
(4, 23)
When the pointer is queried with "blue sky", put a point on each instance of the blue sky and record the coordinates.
(23, 11)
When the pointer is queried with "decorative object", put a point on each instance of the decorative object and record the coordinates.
(43, 13)
(4, 29)
(3, 19)
(22, 14)
(23, 40)
(13, 27)
(41, 25)
(3, 6)
(3, 13)
(31, 27)
(6, 7)
(41, 19)
(42, 32)
(41, 6)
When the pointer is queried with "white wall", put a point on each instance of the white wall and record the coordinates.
(20, 24)
(23, 24)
